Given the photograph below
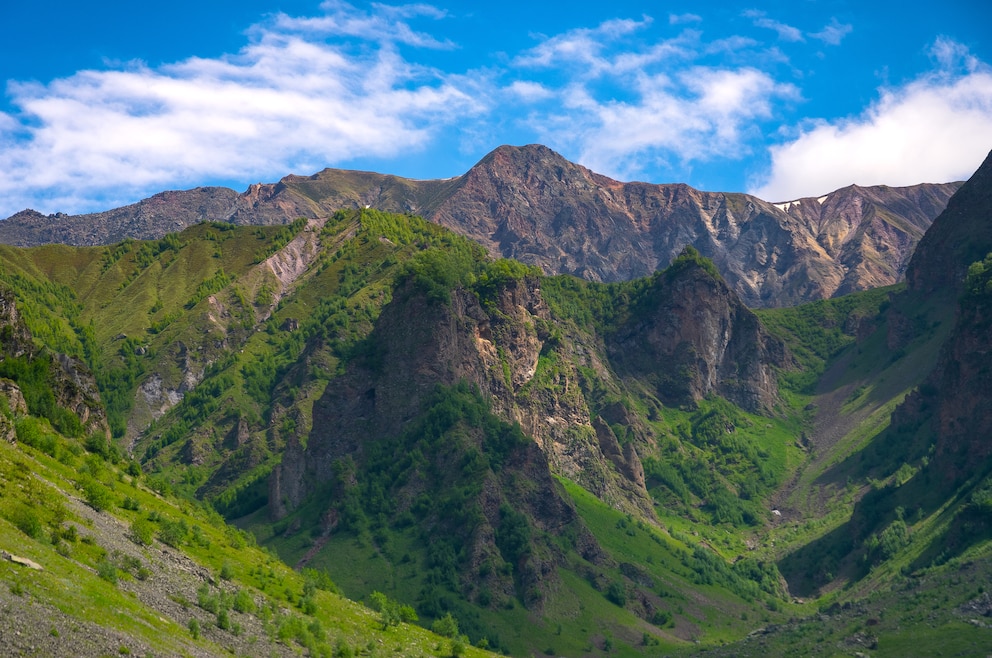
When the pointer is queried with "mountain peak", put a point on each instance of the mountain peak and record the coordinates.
(530, 203)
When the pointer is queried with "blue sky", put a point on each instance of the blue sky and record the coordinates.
(106, 103)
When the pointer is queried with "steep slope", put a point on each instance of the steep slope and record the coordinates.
(953, 259)
(531, 204)
(920, 475)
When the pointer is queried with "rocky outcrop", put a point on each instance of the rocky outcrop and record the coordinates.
(691, 336)
(496, 350)
(166, 212)
(75, 390)
(15, 339)
(531, 204)
(72, 384)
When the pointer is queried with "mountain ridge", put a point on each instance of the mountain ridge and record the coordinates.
(531, 204)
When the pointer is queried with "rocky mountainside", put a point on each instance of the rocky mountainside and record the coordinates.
(531, 204)
(954, 261)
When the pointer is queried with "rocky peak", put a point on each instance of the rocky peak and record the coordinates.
(72, 384)
(953, 400)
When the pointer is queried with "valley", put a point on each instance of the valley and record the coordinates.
(309, 401)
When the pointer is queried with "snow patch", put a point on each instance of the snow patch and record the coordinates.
(784, 207)
(822, 199)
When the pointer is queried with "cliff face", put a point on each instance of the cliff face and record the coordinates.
(69, 381)
(953, 401)
(689, 336)
(697, 338)
(962, 236)
(419, 344)
(531, 204)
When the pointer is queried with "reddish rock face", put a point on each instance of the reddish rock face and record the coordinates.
(531, 204)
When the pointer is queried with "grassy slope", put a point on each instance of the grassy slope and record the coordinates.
(42, 519)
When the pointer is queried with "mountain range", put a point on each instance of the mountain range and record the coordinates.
(615, 464)
(531, 204)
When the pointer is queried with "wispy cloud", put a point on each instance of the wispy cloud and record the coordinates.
(286, 102)
(385, 24)
(680, 19)
(785, 32)
(626, 106)
(833, 33)
(936, 128)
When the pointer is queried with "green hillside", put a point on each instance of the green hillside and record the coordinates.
(536, 485)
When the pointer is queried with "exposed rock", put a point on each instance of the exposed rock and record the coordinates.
(22, 561)
(953, 400)
(15, 339)
(72, 383)
(962, 236)
(697, 338)
(12, 394)
(75, 389)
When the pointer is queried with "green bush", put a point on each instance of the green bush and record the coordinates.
(107, 570)
(96, 495)
(27, 521)
(142, 532)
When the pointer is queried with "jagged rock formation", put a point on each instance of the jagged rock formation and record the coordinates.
(525, 363)
(497, 351)
(962, 236)
(531, 204)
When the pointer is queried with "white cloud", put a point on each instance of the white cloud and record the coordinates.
(530, 92)
(699, 114)
(833, 33)
(286, 102)
(385, 24)
(937, 128)
(628, 105)
(678, 19)
(593, 52)
(785, 32)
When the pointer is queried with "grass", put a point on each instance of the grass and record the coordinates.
(73, 586)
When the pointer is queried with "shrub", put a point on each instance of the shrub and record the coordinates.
(446, 626)
(27, 521)
(97, 496)
(617, 594)
(142, 532)
(243, 602)
(173, 533)
(106, 570)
